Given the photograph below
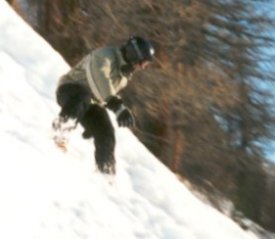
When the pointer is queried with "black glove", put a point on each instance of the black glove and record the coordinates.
(124, 116)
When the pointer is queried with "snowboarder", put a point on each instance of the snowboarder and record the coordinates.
(93, 85)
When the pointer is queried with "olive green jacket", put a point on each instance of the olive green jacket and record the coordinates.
(100, 72)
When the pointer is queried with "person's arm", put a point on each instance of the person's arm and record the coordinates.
(101, 68)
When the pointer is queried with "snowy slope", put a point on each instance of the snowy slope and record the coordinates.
(48, 194)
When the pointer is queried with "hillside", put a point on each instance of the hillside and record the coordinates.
(48, 194)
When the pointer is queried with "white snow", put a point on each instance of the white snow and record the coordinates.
(47, 194)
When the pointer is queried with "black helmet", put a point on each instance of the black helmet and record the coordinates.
(137, 50)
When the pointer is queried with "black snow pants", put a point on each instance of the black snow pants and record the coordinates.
(75, 102)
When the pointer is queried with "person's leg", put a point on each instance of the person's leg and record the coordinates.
(74, 101)
(97, 124)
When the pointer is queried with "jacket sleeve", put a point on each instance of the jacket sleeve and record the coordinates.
(101, 68)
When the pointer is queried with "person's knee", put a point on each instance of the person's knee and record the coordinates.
(74, 100)
(97, 124)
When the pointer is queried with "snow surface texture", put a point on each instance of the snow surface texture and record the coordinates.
(46, 194)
